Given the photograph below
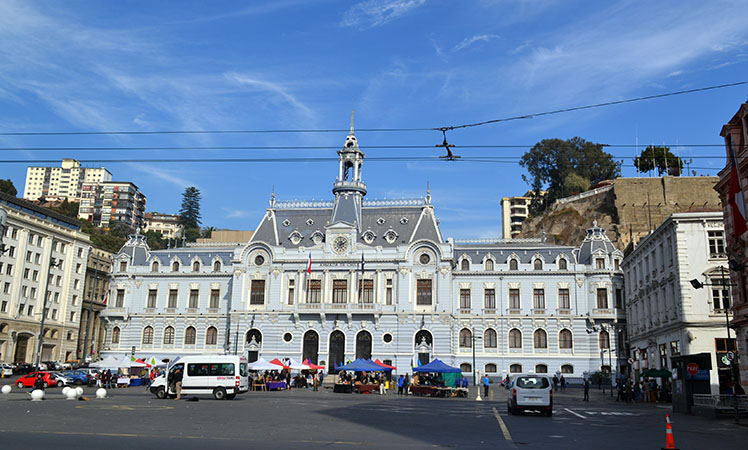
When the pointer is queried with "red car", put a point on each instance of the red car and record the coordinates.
(28, 380)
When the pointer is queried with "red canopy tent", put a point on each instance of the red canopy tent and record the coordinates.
(278, 362)
(312, 365)
(380, 363)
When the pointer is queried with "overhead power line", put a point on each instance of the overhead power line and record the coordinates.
(441, 129)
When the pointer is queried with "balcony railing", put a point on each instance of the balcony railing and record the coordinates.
(564, 311)
(538, 311)
(514, 311)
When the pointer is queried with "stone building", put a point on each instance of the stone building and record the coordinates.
(45, 257)
(334, 280)
(96, 288)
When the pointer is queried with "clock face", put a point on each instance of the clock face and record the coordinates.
(340, 244)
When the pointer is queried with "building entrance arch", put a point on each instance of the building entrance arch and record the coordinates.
(336, 350)
(310, 346)
(363, 345)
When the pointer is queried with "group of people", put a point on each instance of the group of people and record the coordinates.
(302, 380)
(559, 383)
(646, 391)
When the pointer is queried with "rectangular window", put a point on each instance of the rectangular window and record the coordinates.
(257, 294)
(514, 301)
(388, 291)
(724, 345)
(29, 256)
(602, 298)
(4, 307)
(619, 298)
(716, 243)
(314, 291)
(37, 258)
(675, 348)
(599, 263)
(663, 356)
(173, 295)
(464, 298)
(423, 292)
(366, 288)
(30, 311)
(563, 298)
(120, 301)
(291, 291)
(215, 295)
(193, 300)
(123, 266)
(26, 273)
(720, 294)
(152, 295)
(489, 299)
(6, 288)
(339, 291)
(9, 269)
(35, 276)
(33, 292)
(538, 298)
(72, 316)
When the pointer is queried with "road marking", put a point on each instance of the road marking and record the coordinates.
(576, 414)
(504, 429)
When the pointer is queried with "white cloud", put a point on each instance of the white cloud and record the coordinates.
(235, 213)
(372, 13)
(467, 42)
(170, 176)
(269, 86)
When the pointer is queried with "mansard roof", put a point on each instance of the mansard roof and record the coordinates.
(139, 254)
(525, 250)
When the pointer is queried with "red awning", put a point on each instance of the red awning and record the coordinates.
(380, 363)
(313, 366)
(278, 362)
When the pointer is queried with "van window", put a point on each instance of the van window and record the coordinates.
(200, 370)
(532, 382)
(243, 369)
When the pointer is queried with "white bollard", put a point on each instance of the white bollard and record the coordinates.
(65, 391)
(37, 395)
(101, 393)
(71, 394)
(6, 389)
(79, 390)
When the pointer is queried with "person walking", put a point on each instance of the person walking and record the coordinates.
(39, 382)
(400, 384)
(486, 381)
(563, 383)
(586, 390)
(382, 385)
(178, 383)
(555, 383)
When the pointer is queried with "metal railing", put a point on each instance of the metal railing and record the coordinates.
(722, 402)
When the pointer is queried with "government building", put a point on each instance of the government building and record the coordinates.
(334, 280)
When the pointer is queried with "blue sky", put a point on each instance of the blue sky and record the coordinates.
(292, 64)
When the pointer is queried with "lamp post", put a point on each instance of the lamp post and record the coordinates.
(473, 338)
(90, 306)
(605, 327)
(52, 263)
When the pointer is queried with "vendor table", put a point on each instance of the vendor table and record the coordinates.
(275, 385)
(343, 388)
(123, 382)
(366, 388)
(137, 382)
(431, 391)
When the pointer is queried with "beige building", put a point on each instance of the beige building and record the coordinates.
(45, 257)
(227, 237)
(63, 182)
(514, 212)
(103, 203)
(166, 224)
(92, 329)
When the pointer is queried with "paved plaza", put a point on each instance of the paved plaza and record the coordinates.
(133, 418)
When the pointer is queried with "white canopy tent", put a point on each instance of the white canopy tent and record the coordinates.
(293, 364)
(111, 362)
(262, 364)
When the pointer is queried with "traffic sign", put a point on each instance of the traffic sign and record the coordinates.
(726, 360)
(692, 368)
(631, 361)
(731, 356)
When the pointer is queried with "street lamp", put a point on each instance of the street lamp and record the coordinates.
(605, 327)
(52, 263)
(472, 334)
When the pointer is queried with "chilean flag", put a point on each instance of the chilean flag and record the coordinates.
(735, 197)
(309, 264)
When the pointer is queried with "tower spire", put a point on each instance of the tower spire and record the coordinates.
(351, 133)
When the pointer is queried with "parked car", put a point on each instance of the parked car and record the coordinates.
(27, 381)
(25, 368)
(90, 371)
(51, 365)
(66, 380)
(531, 392)
(77, 376)
(7, 369)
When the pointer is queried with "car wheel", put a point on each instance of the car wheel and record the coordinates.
(78, 382)
(59, 383)
(161, 393)
(19, 385)
(230, 396)
(219, 393)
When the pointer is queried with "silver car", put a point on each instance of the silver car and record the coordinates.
(531, 392)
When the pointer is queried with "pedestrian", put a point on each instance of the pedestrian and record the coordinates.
(400, 384)
(627, 391)
(486, 381)
(382, 385)
(637, 392)
(619, 390)
(586, 390)
(563, 383)
(39, 382)
(555, 383)
(315, 383)
(406, 384)
(178, 382)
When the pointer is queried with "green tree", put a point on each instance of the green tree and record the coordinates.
(155, 240)
(207, 232)
(66, 208)
(7, 187)
(191, 234)
(661, 158)
(563, 167)
(189, 214)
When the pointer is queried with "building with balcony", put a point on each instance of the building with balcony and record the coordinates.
(666, 316)
(63, 182)
(105, 203)
(514, 212)
(45, 257)
(334, 280)
(95, 298)
(166, 224)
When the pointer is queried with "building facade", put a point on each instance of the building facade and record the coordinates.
(735, 134)
(62, 182)
(514, 212)
(108, 202)
(334, 280)
(45, 256)
(166, 224)
(667, 316)
(95, 298)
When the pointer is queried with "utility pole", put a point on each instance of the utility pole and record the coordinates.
(52, 263)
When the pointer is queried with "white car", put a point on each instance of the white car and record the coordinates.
(531, 392)
(7, 370)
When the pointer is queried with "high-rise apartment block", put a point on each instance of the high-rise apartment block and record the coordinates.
(112, 201)
(514, 211)
(64, 182)
(166, 224)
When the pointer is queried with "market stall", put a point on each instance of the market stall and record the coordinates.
(362, 385)
(437, 379)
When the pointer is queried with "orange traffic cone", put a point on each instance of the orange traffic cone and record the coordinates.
(669, 440)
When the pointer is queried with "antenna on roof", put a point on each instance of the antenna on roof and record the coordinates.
(428, 193)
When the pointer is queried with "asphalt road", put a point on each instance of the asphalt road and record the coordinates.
(133, 418)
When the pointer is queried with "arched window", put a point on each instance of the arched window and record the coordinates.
(515, 338)
(540, 337)
(565, 339)
(489, 338)
(465, 265)
(154, 266)
(211, 336)
(169, 335)
(604, 339)
(425, 336)
(541, 368)
(115, 335)
(490, 368)
(515, 368)
(175, 266)
(513, 265)
(562, 264)
(189, 336)
(217, 266)
(254, 334)
(196, 266)
(537, 264)
(148, 335)
(466, 368)
(466, 338)
(489, 264)
(567, 368)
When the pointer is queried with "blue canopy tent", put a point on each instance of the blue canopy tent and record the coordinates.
(362, 365)
(437, 366)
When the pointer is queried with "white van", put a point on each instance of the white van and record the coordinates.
(531, 392)
(223, 376)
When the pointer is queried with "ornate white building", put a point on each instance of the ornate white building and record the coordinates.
(383, 283)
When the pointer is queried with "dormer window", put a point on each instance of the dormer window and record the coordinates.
(295, 237)
(599, 263)
(537, 264)
(154, 266)
(489, 265)
(175, 266)
(562, 264)
(196, 266)
(513, 265)
(318, 237)
(369, 236)
(465, 265)
(217, 266)
(390, 236)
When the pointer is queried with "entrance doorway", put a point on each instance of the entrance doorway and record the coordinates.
(22, 343)
(336, 350)
(363, 345)
(310, 348)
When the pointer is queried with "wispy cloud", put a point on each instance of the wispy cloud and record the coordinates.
(261, 85)
(467, 42)
(169, 176)
(373, 13)
(235, 213)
